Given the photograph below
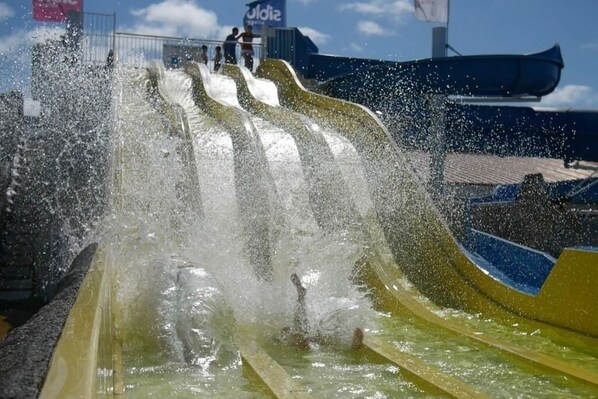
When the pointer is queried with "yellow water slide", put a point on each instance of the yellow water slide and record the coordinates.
(269, 372)
(410, 226)
(423, 246)
(408, 241)
(87, 361)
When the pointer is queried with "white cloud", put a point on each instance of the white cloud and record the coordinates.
(363, 8)
(6, 11)
(12, 41)
(371, 28)
(176, 18)
(305, 1)
(392, 9)
(571, 96)
(20, 38)
(356, 47)
(318, 38)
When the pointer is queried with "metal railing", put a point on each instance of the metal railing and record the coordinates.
(98, 37)
(138, 50)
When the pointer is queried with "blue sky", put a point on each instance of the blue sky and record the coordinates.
(383, 29)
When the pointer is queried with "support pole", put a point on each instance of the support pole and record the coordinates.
(437, 132)
(437, 113)
(439, 42)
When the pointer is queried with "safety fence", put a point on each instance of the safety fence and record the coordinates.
(139, 50)
(98, 37)
(100, 43)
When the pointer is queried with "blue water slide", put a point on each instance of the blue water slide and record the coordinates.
(399, 88)
(482, 75)
(503, 75)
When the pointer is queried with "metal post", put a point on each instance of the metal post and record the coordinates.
(448, 19)
(439, 42)
(265, 35)
(114, 32)
(437, 112)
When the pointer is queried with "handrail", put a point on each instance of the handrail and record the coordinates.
(140, 49)
(178, 38)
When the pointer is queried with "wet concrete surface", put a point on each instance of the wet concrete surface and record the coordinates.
(26, 351)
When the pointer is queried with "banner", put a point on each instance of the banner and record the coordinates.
(265, 12)
(55, 10)
(431, 10)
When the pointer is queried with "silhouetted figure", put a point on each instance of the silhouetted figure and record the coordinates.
(203, 56)
(110, 59)
(230, 47)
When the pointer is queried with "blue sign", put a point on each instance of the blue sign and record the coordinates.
(265, 12)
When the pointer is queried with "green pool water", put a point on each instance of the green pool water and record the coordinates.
(335, 371)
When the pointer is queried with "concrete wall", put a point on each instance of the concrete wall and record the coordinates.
(27, 350)
(15, 273)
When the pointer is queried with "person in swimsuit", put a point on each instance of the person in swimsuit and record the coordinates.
(203, 56)
(298, 334)
(246, 47)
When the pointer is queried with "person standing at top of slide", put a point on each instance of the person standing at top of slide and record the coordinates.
(217, 58)
(203, 56)
(230, 46)
(246, 47)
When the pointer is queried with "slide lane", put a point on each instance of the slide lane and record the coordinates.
(91, 340)
(257, 198)
(278, 382)
(413, 235)
(188, 191)
(317, 161)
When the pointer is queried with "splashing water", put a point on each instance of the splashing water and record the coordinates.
(184, 290)
(184, 296)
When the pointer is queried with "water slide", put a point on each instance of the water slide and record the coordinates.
(217, 199)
